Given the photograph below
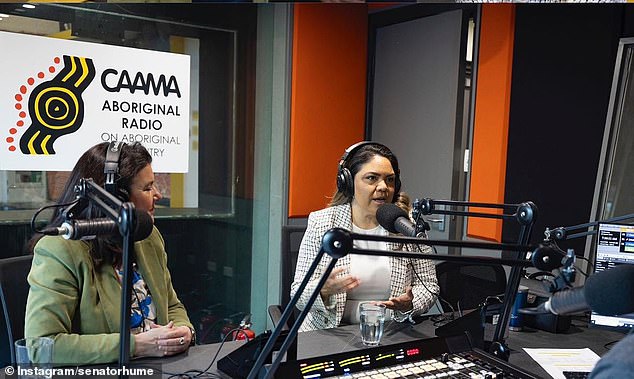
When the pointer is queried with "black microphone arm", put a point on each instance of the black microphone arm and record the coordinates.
(107, 202)
(548, 255)
(563, 232)
(123, 214)
(524, 213)
(338, 242)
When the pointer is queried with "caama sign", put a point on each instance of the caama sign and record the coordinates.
(60, 97)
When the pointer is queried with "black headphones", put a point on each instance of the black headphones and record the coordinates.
(345, 181)
(111, 171)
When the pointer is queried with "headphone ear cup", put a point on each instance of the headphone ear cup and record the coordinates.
(341, 181)
(347, 183)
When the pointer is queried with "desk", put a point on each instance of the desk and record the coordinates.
(310, 344)
(577, 337)
(346, 338)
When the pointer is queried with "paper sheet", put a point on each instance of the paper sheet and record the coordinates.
(556, 361)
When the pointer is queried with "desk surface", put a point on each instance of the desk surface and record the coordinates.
(346, 338)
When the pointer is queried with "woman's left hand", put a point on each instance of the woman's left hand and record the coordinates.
(401, 303)
(176, 340)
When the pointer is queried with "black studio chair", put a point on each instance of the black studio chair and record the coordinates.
(275, 313)
(291, 240)
(466, 286)
(14, 290)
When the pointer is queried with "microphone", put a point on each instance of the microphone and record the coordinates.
(395, 220)
(77, 229)
(609, 293)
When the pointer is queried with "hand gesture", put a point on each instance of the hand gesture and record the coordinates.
(335, 284)
(401, 303)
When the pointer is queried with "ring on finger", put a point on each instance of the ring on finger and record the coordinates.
(181, 341)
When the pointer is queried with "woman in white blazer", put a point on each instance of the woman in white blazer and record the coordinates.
(368, 177)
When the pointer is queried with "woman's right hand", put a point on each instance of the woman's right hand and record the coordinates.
(336, 284)
(146, 343)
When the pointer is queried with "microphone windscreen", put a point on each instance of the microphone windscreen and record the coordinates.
(143, 227)
(611, 292)
(387, 214)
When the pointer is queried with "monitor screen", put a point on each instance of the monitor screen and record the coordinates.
(615, 246)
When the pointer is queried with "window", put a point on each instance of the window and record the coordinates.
(617, 160)
(206, 219)
(218, 117)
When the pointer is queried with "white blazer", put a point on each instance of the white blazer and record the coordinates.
(402, 275)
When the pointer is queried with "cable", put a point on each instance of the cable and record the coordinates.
(423, 283)
(194, 373)
(33, 228)
(581, 271)
(590, 266)
(437, 319)
(608, 345)
(203, 338)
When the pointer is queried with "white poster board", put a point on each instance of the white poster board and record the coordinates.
(60, 97)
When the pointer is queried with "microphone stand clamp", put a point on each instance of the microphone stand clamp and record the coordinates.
(567, 273)
(421, 226)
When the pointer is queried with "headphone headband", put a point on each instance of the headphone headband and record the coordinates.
(111, 166)
(351, 150)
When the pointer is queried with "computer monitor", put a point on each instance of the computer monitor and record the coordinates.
(615, 246)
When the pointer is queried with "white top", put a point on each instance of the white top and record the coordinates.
(373, 271)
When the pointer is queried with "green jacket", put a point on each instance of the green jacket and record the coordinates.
(79, 308)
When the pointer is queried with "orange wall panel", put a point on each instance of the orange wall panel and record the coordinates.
(328, 93)
(493, 96)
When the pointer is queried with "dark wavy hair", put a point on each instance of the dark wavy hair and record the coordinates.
(132, 159)
(362, 156)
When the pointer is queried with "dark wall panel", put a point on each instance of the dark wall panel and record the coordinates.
(562, 72)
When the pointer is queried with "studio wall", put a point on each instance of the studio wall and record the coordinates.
(490, 134)
(562, 73)
(327, 98)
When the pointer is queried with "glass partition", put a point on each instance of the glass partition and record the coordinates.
(206, 214)
(213, 51)
(616, 179)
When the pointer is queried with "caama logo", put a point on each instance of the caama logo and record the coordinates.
(55, 106)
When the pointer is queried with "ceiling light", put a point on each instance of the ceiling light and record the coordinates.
(29, 6)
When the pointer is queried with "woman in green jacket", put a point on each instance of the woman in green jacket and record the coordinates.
(75, 285)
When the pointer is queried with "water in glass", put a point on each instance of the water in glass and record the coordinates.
(372, 317)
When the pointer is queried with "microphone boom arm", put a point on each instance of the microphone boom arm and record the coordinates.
(337, 242)
(107, 203)
(524, 213)
(562, 232)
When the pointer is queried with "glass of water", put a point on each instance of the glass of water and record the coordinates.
(34, 357)
(372, 318)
